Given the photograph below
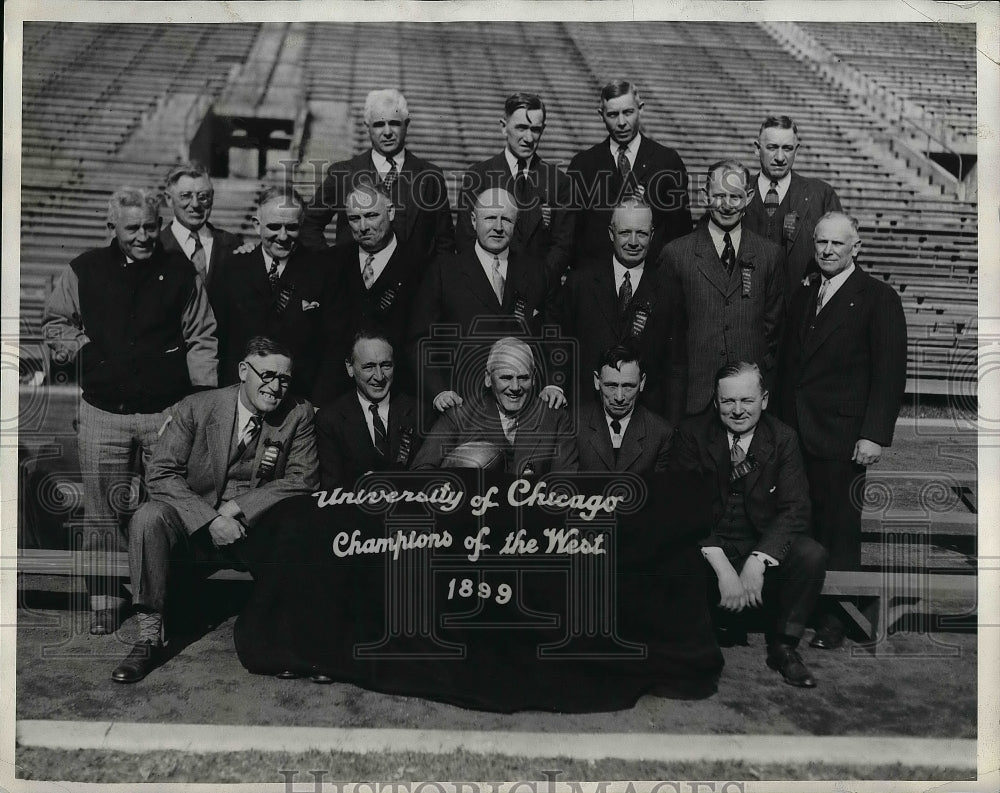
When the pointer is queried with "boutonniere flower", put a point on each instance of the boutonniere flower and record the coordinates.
(746, 270)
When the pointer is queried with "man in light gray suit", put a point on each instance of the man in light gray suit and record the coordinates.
(223, 459)
(731, 284)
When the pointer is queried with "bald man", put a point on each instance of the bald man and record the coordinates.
(486, 291)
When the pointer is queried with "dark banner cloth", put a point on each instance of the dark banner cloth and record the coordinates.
(557, 629)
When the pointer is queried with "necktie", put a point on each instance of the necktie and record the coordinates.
(736, 454)
(368, 272)
(390, 178)
(728, 253)
(381, 437)
(616, 431)
(272, 275)
(510, 428)
(625, 294)
(250, 431)
(625, 169)
(821, 294)
(771, 199)
(521, 185)
(498, 279)
(198, 257)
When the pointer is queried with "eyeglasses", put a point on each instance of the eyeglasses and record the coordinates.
(284, 380)
(203, 198)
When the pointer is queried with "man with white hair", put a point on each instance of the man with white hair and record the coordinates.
(535, 438)
(422, 213)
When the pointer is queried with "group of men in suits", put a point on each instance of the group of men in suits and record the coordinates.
(605, 253)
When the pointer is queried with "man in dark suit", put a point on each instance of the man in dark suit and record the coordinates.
(487, 292)
(843, 373)
(759, 549)
(286, 293)
(624, 163)
(624, 298)
(422, 218)
(370, 428)
(223, 459)
(137, 321)
(535, 438)
(190, 195)
(731, 283)
(619, 434)
(786, 205)
(544, 228)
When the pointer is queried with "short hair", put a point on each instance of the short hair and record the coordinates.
(193, 170)
(618, 355)
(479, 197)
(263, 346)
(779, 122)
(729, 165)
(366, 334)
(836, 214)
(285, 193)
(385, 96)
(632, 201)
(506, 348)
(735, 370)
(522, 99)
(132, 198)
(616, 88)
(369, 188)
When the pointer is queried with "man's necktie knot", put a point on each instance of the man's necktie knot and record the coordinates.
(368, 272)
(736, 453)
(381, 436)
(616, 426)
(272, 275)
(498, 279)
(728, 253)
(824, 285)
(625, 293)
(771, 199)
(390, 178)
(198, 256)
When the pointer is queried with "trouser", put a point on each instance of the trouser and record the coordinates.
(790, 591)
(161, 550)
(111, 447)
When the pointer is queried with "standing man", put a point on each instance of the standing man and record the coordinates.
(619, 434)
(535, 438)
(731, 282)
(417, 187)
(137, 320)
(224, 458)
(759, 547)
(190, 195)
(787, 205)
(488, 284)
(544, 228)
(626, 163)
(371, 428)
(286, 293)
(623, 298)
(843, 374)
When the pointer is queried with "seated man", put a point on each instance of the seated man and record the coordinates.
(759, 548)
(368, 429)
(617, 433)
(535, 438)
(224, 457)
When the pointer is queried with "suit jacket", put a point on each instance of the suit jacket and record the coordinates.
(189, 462)
(457, 292)
(423, 213)
(776, 491)
(724, 324)
(544, 441)
(843, 371)
(809, 199)
(597, 185)
(223, 244)
(313, 323)
(645, 446)
(550, 242)
(586, 308)
(346, 450)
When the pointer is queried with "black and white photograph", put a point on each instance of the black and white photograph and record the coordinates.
(477, 396)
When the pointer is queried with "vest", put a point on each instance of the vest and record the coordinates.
(735, 522)
(239, 475)
(136, 361)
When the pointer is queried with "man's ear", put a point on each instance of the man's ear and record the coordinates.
(392, 212)
(243, 369)
(350, 369)
(642, 381)
(611, 231)
(597, 382)
(756, 147)
(763, 401)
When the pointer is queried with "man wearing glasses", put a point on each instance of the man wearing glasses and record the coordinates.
(286, 293)
(190, 196)
(223, 459)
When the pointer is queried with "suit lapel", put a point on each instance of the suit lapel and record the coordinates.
(600, 438)
(603, 290)
(219, 433)
(218, 243)
(476, 282)
(399, 417)
(762, 447)
(838, 310)
(795, 197)
(708, 262)
(405, 187)
(718, 448)
(530, 217)
(635, 434)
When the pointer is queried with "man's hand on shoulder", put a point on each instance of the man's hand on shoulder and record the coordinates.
(866, 452)
(225, 530)
(445, 400)
(246, 247)
(553, 396)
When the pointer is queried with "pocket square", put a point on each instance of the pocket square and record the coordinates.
(308, 305)
(535, 313)
(773, 489)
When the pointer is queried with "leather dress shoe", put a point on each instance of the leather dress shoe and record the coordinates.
(287, 674)
(786, 660)
(143, 659)
(827, 639)
(104, 622)
(322, 679)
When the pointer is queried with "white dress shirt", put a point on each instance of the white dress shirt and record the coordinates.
(514, 164)
(616, 439)
(381, 162)
(833, 284)
(183, 236)
(635, 274)
(366, 411)
(719, 237)
(631, 150)
(267, 263)
(380, 261)
(486, 260)
(764, 184)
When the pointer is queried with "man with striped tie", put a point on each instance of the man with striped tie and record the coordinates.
(224, 457)
(190, 196)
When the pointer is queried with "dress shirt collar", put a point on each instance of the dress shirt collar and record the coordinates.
(764, 184)
(243, 414)
(631, 150)
(383, 406)
(719, 236)
(381, 257)
(381, 163)
(616, 440)
(486, 259)
(620, 270)
(183, 234)
(745, 439)
(833, 284)
(268, 259)
(514, 164)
